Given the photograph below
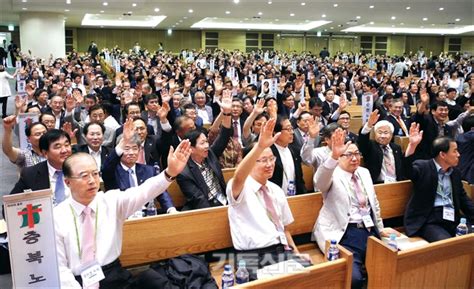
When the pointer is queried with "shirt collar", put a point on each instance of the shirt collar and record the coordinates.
(51, 170)
(439, 170)
(92, 152)
(127, 168)
(280, 148)
(254, 185)
(79, 208)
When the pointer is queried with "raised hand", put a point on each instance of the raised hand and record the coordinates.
(165, 96)
(342, 103)
(67, 127)
(128, 130)
(313, 128)
(163, 111)
(266, 138)
(70, 103)
(272, 110)
(259, 106)
(226, 102)
(415, 135)
(424, 96)
(373, 118)
(9, 122)
(177, 159)
(78, 96)
(20, 103)
(338, 146)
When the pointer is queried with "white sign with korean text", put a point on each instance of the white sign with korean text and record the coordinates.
(367, 106)
(24, 120)
(31, 232)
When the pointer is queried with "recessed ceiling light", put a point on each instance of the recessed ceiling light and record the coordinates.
(325, 30)
(422, 26)
(67, 1)
(185, 17)
(393, 17)
(236, 1)
(331, 27)
(303, 3)
(393, 25)
(190, 10)
(458, 19)
(433, 24)
(425, 19)
(335, 5)
(66, 10)
(105, 3)
(357, 17)
(402, 23)
(441, 8)
(323, 16)
(134, 4)
(277, 20)
(157, 9)
(371, 22)
(24, 8)
(260, 13)
(371, 6)
(129, 12)
(227, 12)
(292, 14)
(102, 11)
(24, 1)
(180, 21)
(270, 2)
(408, 8)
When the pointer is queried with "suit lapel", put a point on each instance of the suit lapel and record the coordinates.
(196, 172)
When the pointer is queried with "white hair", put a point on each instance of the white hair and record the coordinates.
(383, 123)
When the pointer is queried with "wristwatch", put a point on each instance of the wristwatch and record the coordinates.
(168, 177)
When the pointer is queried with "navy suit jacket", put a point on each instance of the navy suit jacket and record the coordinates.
(115, 177)
(277, 177)
(33, 178)
(424, 176)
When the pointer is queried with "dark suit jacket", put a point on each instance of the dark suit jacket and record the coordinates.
(191, 181)
(115, 177)
(327, 110)
(398, 131)
(158, 124)
(277, 177)
(104, 153)
(33, 178)
(373, 157)
(430, 131)
(424, 176)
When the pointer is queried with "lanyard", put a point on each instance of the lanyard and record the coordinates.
(444, 192)
(77, 231)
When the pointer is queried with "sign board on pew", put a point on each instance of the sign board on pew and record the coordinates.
(31, 232)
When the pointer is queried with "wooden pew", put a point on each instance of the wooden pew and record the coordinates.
(443, 264)
(354, 110)
(402, 141)
(393, 198)
(355, 125)
(308, 177)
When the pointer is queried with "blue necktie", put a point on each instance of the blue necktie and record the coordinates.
(59, 191)
(130, 178)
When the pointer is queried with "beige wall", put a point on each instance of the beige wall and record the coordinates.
(149, 39)
(230, 39)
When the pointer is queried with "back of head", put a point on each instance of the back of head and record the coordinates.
(468, 123)
(440, 144)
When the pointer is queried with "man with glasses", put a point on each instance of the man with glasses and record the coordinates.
(351, 211)
(259, 234)
(288, 161)
(89, 225)
(344, 121)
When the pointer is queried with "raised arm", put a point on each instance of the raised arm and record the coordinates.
(265, 140)
(7, 145)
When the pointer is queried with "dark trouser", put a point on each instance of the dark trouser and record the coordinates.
(3, 101)
(116, 277)
(436, 228)
(355, 240)
(259, 258)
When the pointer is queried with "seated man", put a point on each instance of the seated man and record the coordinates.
(344, 121)
(301, 133)
(396, 118)
(438, 198)
(259, 234)
(382, 157)
(465, 143)
(94, 135)
(288, 161)
(202, 181)
(121, 170)
(351, 211)
(316, 156)
(89, 225)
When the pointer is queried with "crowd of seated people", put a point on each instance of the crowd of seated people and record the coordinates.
(163, 99)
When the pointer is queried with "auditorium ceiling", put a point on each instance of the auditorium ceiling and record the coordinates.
(376, 16)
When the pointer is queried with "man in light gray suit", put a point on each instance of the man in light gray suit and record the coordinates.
(351, 211)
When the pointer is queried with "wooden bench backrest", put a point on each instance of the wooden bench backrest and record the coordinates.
(166, 236)
(354, 110)
(393, 198)
(443, 264)
(402, 141)
(355, 125)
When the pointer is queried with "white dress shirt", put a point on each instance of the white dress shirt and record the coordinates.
(111, 210)
(250, 226)
(134, 175)
(96, 155)
(52, 181)
(288, 166)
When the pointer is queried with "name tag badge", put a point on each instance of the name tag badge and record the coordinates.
(92, 274)
(389, 180)
(282, 237)
(367, 221)
(448, 214)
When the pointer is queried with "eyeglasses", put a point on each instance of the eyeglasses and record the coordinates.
(268, 160)
(86, 175)
(288, 128)
(350, 155)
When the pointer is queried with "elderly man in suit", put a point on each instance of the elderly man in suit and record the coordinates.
(382, 157)
(203, 111)
(202, 181)
(351, 211)
(434, 209)
(395, 117)
(121, 170)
